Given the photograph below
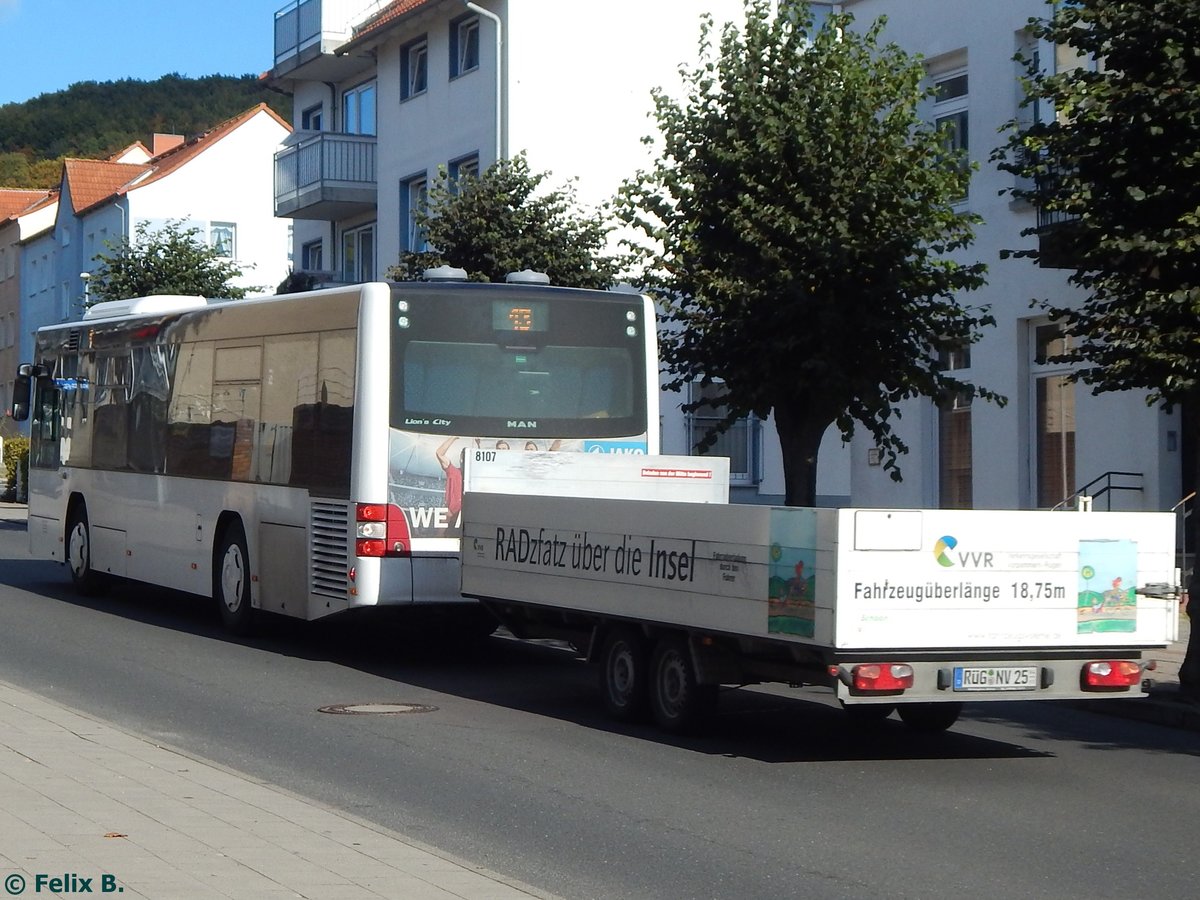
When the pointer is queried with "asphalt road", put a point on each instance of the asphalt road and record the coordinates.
(517, 769)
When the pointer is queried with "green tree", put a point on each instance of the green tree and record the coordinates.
(1115, 161)
(167, 260)
(801, 216)
(95, 119)
(505, 221)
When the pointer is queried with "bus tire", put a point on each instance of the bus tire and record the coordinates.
(679, 704)
(624, 668)
(87, 580)
(929, 718)
(231, 580)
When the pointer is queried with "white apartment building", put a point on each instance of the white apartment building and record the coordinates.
(218, 182)
(385, 93)
(1053, 437)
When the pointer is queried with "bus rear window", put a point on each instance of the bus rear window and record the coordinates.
(486, 381)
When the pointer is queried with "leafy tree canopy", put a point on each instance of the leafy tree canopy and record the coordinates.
(1115, 156)
(801, 217)
(169, 260)
(93, 120)
(505, 221)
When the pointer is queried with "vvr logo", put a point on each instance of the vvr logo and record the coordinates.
(941, 550)
(946, 543)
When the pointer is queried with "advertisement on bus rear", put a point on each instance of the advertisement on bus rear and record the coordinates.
(425, 472)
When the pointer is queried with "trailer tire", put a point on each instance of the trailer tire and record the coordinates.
(624, 668)
(929, 718)
(231, 580)
(864, 713)
(87, 580)
(679, 704)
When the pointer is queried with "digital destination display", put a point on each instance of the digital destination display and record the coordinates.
(520, 315)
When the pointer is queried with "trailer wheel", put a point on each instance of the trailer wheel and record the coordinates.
(929, 717)
(231, 580)
(678, 703)
(868, 712)
(624, 664)
(87, 580)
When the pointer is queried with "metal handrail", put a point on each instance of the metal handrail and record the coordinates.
(1108, 488)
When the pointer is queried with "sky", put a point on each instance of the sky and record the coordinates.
(48, 45)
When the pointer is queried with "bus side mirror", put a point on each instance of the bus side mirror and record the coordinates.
(23, 389)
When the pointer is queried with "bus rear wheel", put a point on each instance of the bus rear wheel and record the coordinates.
(231, 580)
(87, 580)
(679, 703)
(624, 661)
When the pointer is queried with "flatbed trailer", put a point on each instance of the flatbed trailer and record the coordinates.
(643, 566)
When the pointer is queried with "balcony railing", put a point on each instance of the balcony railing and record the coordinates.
(1055, 228)
(318, 26)
(324, 175)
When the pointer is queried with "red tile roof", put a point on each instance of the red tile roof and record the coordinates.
(92, 182)
(136, 145)
(386, 16)
(14, 201)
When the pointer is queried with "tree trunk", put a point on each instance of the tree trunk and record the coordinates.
(1189, 671)
(800, 433)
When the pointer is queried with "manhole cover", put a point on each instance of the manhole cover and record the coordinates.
(376, 709)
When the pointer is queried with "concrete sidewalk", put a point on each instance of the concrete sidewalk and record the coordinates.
(82, 799)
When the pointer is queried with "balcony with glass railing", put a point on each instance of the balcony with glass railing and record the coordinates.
(325, 175)
(307, 32)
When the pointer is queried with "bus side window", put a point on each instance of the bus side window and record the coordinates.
(45, 426)
(153, 368)
(110, 412)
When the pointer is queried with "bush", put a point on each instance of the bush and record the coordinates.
(16, 457)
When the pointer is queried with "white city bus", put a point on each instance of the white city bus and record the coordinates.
(301, 454)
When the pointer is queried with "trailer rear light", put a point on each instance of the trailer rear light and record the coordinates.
(1111, 673)
(886, 677)
(380, 529)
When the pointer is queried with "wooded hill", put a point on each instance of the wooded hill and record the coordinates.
(93, 120)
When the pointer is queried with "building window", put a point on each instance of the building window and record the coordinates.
(311, 118)
(739, 442)
(358, 254)
(414, 68)
(1054, 415)
(312, 257)
(358, 109)
(464, 45)
(954, 452)
(466, 167)
(956, 357)
(413, 193)
(950, 113)
(221, 237)
(954, 436)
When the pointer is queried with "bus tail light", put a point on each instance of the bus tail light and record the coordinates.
(380, 529)
(1111, 673)
(882, 677)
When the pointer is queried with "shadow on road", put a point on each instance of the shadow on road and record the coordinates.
(545, 679)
